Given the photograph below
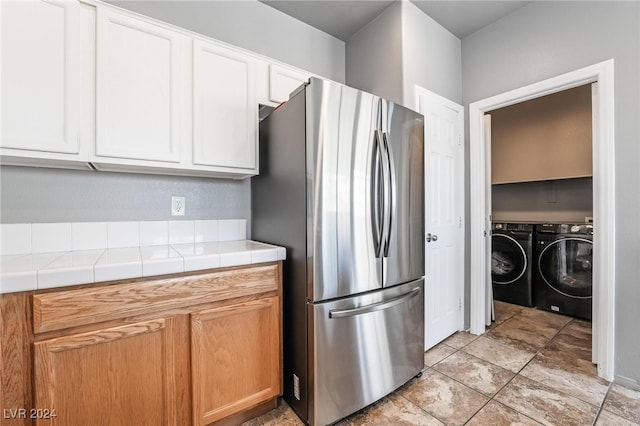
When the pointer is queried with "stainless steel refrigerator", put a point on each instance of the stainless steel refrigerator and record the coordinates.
(341, 187)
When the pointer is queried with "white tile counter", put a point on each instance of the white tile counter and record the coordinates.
(97, 252)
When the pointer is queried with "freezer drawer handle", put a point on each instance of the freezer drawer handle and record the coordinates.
(379, 306)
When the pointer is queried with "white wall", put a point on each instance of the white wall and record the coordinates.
(545, 39)
(432, 56)
(253, 26)
(374, 56)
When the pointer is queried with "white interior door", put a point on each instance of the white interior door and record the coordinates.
(489, 311)
(444, 212)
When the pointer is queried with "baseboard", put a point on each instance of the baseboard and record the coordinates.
(248, 414)
(627, 382)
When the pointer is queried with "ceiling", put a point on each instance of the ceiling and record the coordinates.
(343, 18)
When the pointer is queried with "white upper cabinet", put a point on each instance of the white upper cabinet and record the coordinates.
(171, 102)
(284, 80)
(90, 85)
(225, 108)
(138, 77)
(40, 85)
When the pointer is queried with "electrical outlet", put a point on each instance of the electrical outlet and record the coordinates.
(178, 206)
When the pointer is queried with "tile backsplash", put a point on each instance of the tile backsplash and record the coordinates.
(49, 237)
(30, 238)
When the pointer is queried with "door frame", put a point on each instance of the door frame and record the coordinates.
(422, 96)
(603, 143)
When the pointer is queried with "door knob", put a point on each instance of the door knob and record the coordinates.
(431, 237)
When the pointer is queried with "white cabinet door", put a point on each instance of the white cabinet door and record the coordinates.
(40, 86)
(137, 88)
(225, 108)
(283, 81)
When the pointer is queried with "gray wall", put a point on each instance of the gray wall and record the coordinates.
(50, 195)
(557, 201)
(30, 194)
(253, 26)
(403, 47)
(431, 56)
(374, 56)
(545, 39)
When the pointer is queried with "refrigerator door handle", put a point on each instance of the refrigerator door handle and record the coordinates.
(377, 197)
(389, 193)
(378, 306)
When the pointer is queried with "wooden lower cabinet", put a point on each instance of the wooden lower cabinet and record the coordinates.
(133, 367)
(176, 350)
(233, 353)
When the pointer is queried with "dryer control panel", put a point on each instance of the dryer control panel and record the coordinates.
(565, 228)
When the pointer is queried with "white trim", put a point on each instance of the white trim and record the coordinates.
(489, 305)
(422, 95)
(603, 193)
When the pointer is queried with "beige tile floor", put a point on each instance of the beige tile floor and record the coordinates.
(532, 367)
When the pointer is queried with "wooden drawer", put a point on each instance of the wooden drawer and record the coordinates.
(64, 309)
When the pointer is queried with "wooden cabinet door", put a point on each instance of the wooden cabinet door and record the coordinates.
(225, 108)
(137, 88)
(123, 375)
(40, 68)
(235, 358)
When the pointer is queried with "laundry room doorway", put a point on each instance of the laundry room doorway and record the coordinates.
(600, 78)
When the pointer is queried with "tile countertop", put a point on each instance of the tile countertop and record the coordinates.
(47, 255)
(24, 272)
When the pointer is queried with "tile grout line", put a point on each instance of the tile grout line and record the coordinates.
(430, 367)
(558, 390)
(491, 398)
(419, 407)
(468, 387)
(520, 371)
(422, 409)
(546, 345)
(538, 351)
(601, 407)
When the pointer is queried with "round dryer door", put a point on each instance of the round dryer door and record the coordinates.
(566, 264)
(508, 259)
